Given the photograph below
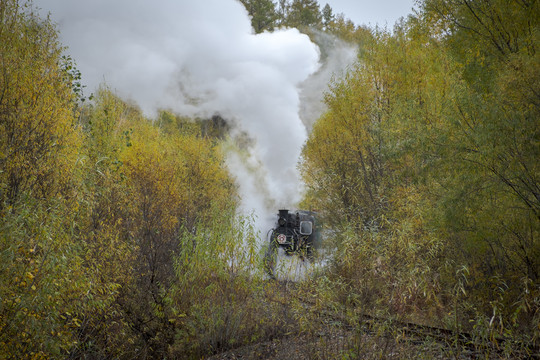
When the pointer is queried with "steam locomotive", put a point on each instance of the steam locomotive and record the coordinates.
(296, 232)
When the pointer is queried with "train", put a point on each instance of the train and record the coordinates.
(297, 232)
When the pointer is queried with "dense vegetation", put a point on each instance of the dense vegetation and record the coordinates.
(101, 249)
(118, 235)
(427, 162)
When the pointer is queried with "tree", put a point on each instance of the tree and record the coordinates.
(263, 14)
(492, 206)
(38, 135)
(44, 285)
(327, 15)
(283, 11)
(304, 13)
(447, 108)
(346, 29)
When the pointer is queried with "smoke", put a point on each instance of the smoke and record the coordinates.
(199, 58)
(336, 58)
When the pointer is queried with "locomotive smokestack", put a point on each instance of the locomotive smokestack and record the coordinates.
(283, 216)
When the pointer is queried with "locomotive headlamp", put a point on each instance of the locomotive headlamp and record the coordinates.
(282, 221)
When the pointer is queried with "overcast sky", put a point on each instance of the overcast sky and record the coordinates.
(371, 12)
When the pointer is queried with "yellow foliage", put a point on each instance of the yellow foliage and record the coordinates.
(38, 137)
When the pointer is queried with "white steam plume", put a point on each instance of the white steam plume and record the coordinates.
(199, 58)
(336, 58)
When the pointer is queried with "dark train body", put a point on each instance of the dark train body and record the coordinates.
(297, 232)
(294, 231)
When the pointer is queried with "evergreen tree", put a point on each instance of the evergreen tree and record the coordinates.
(304, 13)
(283, 11)
(327, 15)
(263, 14)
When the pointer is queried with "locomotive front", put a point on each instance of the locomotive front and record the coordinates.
(294, 231)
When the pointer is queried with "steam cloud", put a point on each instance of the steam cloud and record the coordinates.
(199, 58)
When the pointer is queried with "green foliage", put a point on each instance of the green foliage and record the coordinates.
(263, 14)
(304, 13)
(212, 296)
(41, 305)
(327, 15)
(428, 152)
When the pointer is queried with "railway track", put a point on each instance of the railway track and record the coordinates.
(456, 342)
